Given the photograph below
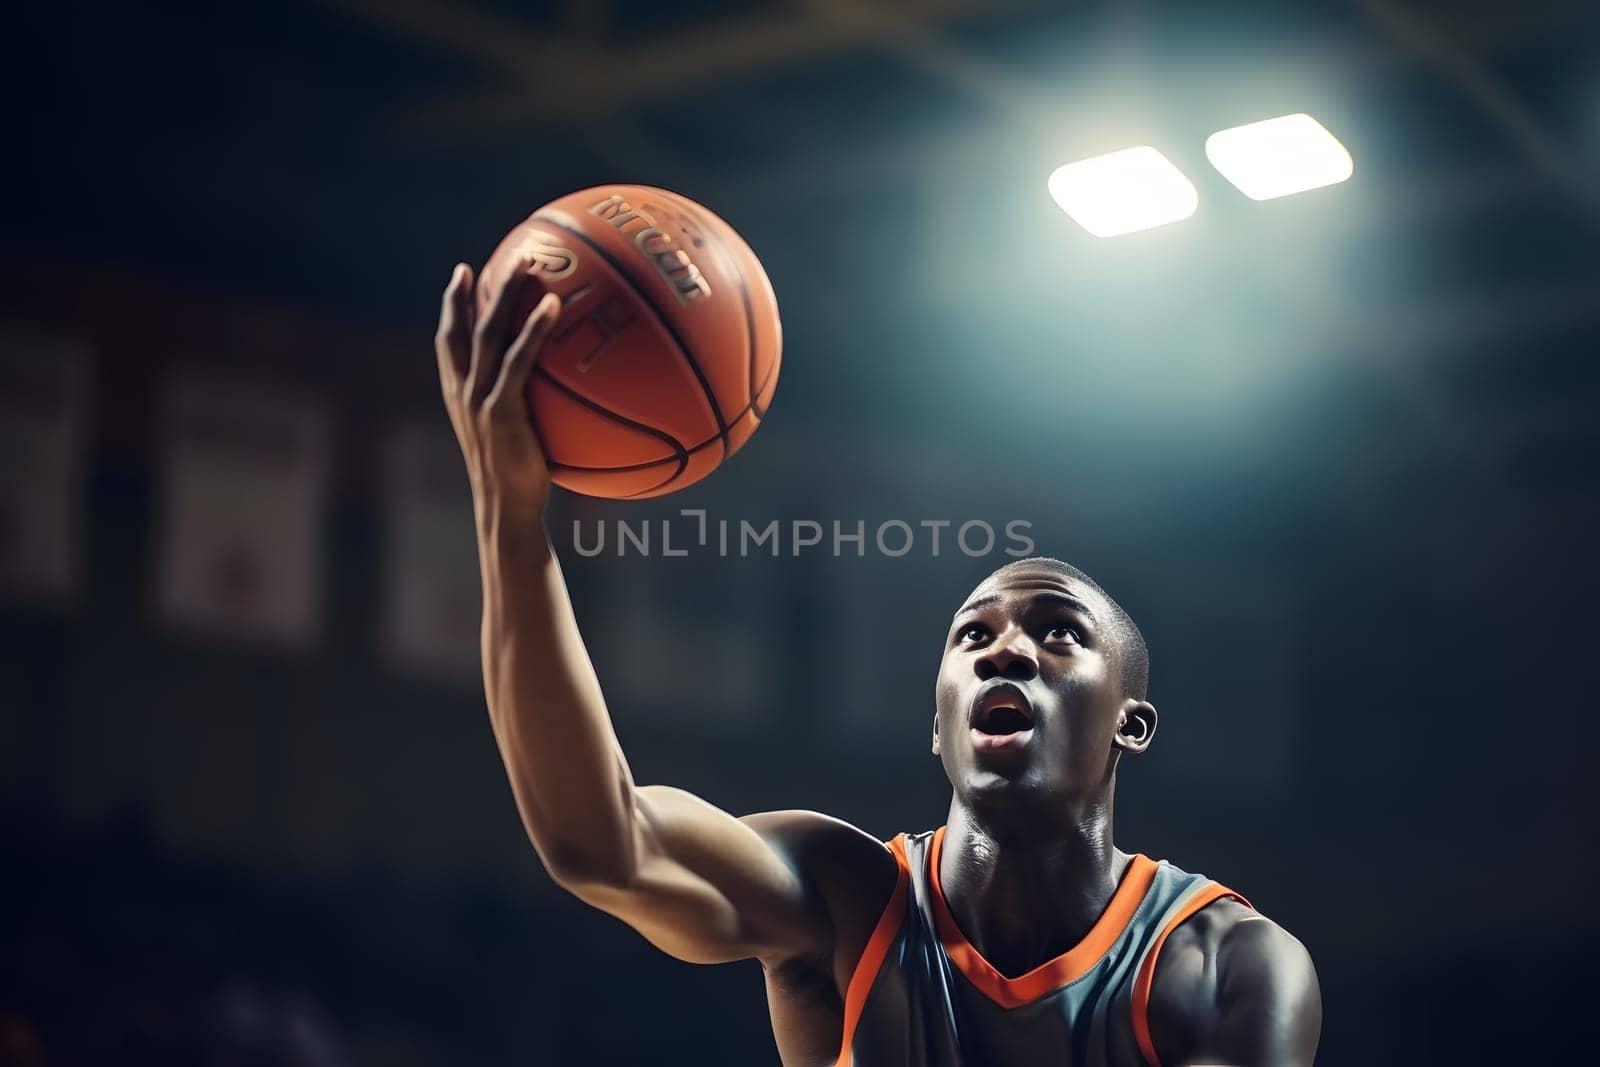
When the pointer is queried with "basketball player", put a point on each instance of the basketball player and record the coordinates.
(1017, 933)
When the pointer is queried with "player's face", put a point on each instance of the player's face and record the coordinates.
(1028, 696)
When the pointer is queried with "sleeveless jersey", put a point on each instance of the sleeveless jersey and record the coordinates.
(922, 996)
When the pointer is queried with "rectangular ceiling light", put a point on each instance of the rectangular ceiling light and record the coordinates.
(1121, 192)
(1279, 156)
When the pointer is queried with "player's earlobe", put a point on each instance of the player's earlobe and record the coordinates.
(1137, 727)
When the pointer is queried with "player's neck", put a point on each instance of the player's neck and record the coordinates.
(1023, 899)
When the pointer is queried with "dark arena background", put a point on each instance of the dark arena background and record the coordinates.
(1336, 452)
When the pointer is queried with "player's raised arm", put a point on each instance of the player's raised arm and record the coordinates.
(699, 883)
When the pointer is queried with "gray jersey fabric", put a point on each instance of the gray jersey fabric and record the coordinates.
(922, 996)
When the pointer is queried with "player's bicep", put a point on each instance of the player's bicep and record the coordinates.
(710, 888)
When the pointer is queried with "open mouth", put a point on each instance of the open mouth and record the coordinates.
(1001, 710)
(1003, 720)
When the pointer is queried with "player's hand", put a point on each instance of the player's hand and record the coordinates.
(483, 371)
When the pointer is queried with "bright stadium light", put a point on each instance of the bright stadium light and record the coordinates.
(1279, 156)
(1121, 192)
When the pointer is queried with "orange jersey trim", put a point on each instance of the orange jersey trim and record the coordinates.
(872, 957)
(1052, 974)
(1147, 970)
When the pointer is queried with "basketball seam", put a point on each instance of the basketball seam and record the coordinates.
(648, 301)
(679, 452)
(629, 469)
(749, 312)
(668, 480)
(688, 451)
(647, 492)
(760, 413)
(683, 458)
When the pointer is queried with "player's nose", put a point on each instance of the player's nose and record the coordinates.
(1010, 655)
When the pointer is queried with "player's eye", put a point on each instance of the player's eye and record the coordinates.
(1062, 632)
(974, 632)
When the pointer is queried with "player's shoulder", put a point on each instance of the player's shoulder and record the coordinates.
(1228, 960)
(1228, 934)
(853, 871)
(1228, 930)
(826, 849)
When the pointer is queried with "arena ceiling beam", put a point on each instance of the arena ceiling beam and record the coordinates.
(569, 74)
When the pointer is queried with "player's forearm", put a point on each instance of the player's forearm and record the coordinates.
(571, 782)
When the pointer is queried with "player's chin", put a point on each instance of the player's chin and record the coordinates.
(998, 791)
(1007, 774)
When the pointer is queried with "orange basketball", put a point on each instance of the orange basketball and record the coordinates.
(666, 354)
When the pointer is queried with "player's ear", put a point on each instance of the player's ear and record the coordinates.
(936, 733)
(1136, 728)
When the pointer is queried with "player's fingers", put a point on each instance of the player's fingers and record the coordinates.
(494, 330)
(453, 341)
(523, 355)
